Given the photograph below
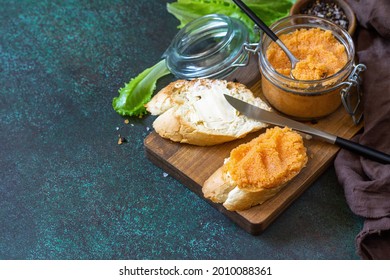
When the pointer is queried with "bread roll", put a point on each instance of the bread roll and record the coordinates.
(257, 170)
(196, 112)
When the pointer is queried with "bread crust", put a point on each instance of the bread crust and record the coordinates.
(165, 98)
(216, 188)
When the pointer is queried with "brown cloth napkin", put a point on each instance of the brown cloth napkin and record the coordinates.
(367, 183)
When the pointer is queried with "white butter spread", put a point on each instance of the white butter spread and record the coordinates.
(212, 109)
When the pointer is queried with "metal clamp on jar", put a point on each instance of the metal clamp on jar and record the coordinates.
(351, 94)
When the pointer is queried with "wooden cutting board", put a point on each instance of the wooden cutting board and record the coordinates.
(192, 165)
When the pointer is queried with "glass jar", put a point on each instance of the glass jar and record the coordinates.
(311, 99)
(212, 46)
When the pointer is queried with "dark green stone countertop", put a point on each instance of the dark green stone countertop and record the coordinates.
(69, 191)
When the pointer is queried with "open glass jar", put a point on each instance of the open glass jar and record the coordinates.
(311, 99)
(213, 46)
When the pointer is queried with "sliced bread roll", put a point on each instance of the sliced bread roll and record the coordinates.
(257, 170)
(196, 112)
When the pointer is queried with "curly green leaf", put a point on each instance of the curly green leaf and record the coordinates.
(135, 94)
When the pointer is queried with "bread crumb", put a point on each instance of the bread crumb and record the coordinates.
(121, 140)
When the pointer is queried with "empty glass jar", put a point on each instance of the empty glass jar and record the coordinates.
(211, 46)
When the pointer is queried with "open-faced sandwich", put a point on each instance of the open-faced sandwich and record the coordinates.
(257, 170)
(196, 112)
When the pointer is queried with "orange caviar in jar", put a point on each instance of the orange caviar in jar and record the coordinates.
(326, 53)
(320, 54)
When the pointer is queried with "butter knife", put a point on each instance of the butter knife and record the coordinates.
(265, 116)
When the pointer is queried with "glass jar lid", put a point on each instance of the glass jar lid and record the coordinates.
(210, 46)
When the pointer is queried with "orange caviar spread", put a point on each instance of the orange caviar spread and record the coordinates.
(320, 54)
(271, 159)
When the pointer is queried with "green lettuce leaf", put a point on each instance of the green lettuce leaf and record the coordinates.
(139, 91)
(268, 10)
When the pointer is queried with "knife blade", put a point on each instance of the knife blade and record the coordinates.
(265, 116)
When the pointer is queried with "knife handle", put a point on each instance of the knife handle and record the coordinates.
(363, 150)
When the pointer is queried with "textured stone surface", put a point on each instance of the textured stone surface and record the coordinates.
(69, 191)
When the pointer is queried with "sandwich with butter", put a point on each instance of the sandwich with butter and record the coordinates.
(196, 112)
(257, 170)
